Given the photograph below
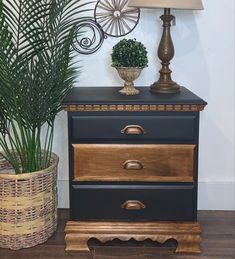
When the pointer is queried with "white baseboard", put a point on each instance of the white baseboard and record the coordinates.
(216, 196)
(211, 196)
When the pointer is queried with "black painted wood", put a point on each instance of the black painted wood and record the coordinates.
(157, 126)
(166, 201)
(110, 95)
(103, 202)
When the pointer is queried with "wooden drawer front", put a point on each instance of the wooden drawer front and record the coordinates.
(136, 162)
(93, 202)
(165, 127)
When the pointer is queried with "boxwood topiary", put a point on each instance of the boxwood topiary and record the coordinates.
(129, 53)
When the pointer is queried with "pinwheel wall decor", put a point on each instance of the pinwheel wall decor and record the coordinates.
(112, 18)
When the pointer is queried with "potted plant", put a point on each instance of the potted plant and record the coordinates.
(129, 57)
(36, 73)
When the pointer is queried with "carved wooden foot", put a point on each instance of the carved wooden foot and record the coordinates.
(76, 242)
(187, 234)
(189, 244)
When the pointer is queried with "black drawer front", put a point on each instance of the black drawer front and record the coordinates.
(162, 127)
(104, 202)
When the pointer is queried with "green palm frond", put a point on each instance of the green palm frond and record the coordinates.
(36, 73)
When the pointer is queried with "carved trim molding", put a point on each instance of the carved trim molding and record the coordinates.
(187, 234)
(134, 107)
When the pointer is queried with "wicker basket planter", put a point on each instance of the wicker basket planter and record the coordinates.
(28, 206)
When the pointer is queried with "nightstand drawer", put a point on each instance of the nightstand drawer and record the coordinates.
(133, 202)
(133, 162)
(159, 127)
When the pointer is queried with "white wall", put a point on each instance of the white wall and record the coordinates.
(204, 63)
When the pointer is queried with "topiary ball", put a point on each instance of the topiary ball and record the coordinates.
(129, 53)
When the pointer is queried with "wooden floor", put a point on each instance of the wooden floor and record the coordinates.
(218, 242)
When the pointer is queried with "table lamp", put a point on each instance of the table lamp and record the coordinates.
(165, 84)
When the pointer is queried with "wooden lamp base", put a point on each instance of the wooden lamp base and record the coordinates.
(162, 87)
(165, 85)
(187, 234)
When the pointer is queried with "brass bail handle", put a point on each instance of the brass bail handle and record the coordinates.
(133, 130)
(133, 205)
(132, 165)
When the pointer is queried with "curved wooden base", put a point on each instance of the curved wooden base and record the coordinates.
(187, 234)
(169, 87)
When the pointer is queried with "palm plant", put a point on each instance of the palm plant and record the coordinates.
(36, 73)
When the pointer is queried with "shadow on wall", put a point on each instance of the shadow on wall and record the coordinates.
(216, 182)
(190, 62)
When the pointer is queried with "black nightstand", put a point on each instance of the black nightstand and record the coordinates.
(133, 166)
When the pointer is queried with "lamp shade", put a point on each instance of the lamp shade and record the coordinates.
(177, 4)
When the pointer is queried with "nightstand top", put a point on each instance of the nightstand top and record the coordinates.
(108, 98)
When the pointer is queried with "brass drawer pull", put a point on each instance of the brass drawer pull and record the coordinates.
(133, 130)
(133, 205)
(132, 165)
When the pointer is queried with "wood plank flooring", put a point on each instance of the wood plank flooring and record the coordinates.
(218, 242)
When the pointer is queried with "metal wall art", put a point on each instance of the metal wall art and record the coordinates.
(111, 18)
